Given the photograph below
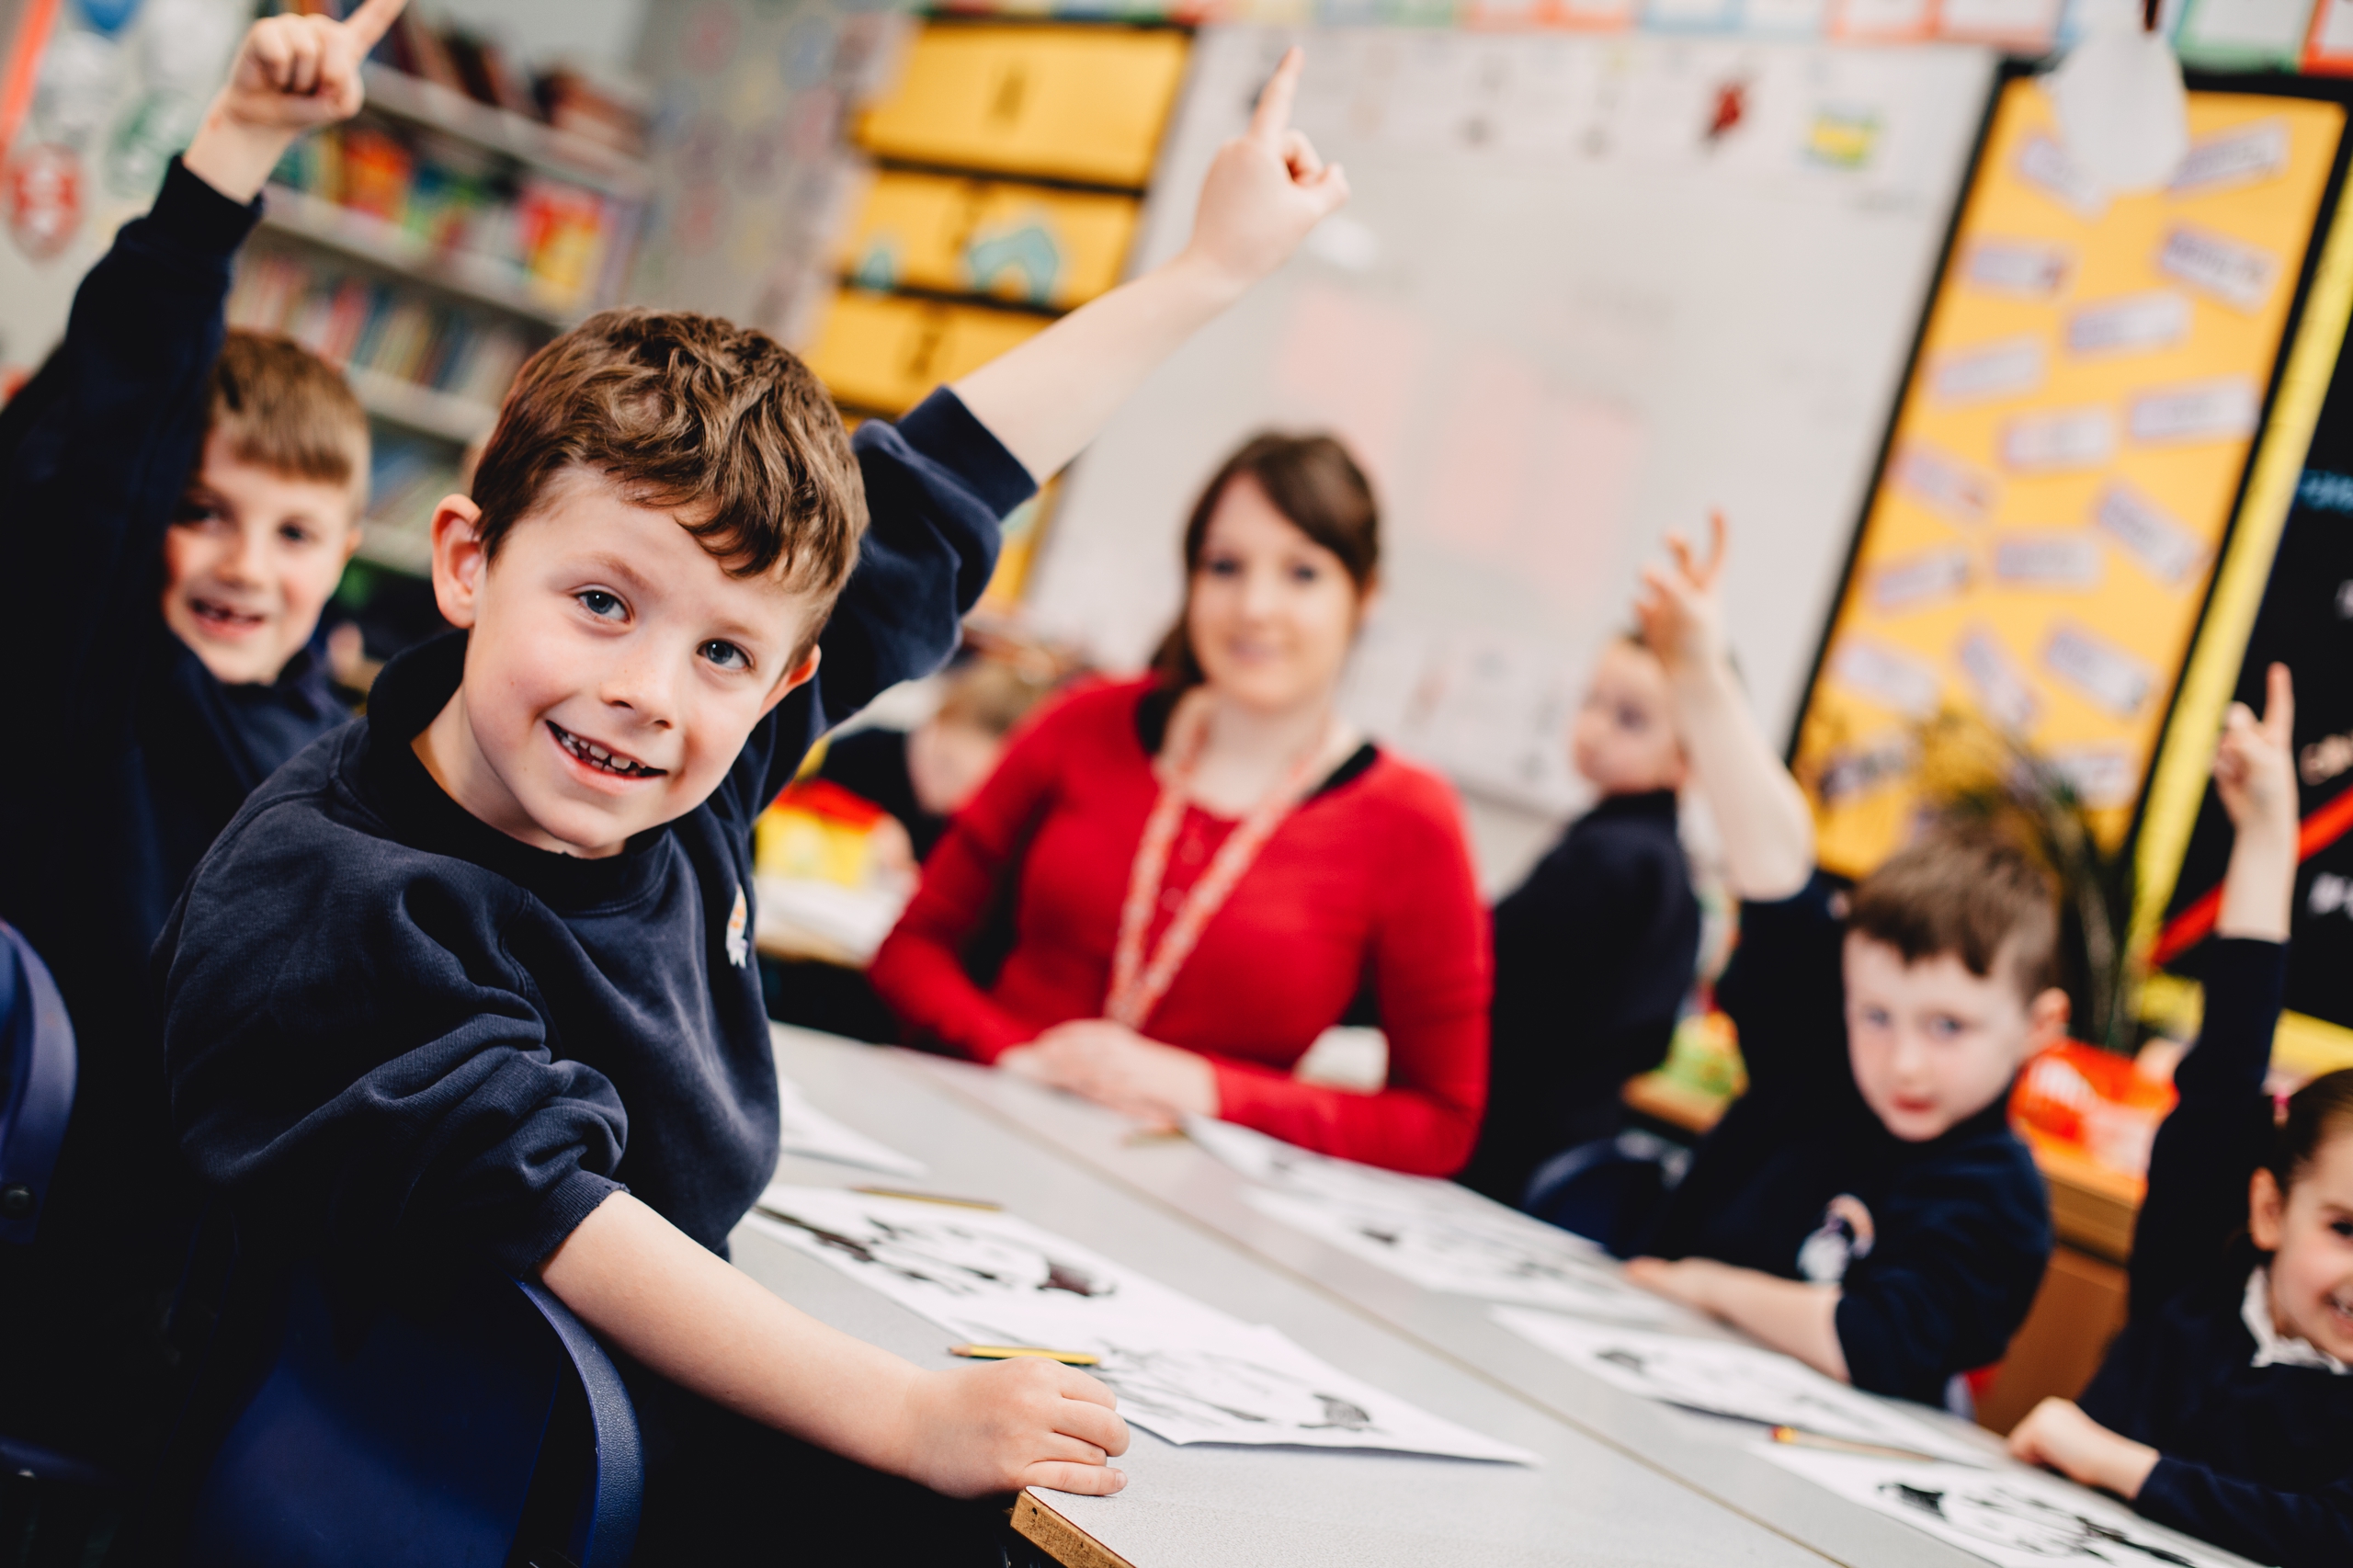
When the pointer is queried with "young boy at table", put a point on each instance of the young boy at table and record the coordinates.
(1865, 1207)
(473, 977)
(1594, 951)
(178, 512)
(2225, 1408)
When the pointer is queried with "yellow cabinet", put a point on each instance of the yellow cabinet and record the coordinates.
(885, 352)
(1028, 244)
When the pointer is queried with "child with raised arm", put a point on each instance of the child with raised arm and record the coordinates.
(2225, 1408)
(177, 512)
(1865, 1207)
(472, 978)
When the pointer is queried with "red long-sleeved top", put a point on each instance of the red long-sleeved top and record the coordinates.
(1367, 883)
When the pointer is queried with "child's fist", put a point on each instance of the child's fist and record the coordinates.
(2057, 1434)
(1265, 188)
(1025, 1421)
(291, 73)
(1680, 606)
(2254, 771)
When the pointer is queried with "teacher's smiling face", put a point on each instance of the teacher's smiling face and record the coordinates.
(1271, 611)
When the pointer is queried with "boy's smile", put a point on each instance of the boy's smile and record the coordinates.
(614, 670)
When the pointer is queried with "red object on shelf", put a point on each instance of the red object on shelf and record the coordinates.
(2095, 1100)
(824, 798)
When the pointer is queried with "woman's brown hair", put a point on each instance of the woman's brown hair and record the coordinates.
(1312, 481)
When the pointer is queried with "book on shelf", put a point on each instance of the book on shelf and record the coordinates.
(609, 111)
(369, 324)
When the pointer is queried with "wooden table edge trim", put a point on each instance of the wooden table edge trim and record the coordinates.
(1044, 1529)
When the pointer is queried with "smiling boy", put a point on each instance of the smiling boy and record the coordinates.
(471, 978)
(177, 513)
(1865, 1207)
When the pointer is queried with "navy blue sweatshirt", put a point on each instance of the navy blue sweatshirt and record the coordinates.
(1593, 953)
(393, 1031)
(2258, 1460)
(145, 758)
(1938, 1271)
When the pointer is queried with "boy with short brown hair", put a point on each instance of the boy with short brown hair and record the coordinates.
(1865, 1206)
(473, 977)
(177, 511)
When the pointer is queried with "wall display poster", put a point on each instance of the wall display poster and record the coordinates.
(2067, 457)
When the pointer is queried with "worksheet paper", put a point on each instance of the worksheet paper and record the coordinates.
(1727, 1378)
(1183, 1370)
(2019, 1519)
(1433, 1232)
(805, 1129)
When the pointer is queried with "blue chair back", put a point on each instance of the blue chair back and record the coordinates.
(492, 1431)
(1610, 1191)
(37, 1096)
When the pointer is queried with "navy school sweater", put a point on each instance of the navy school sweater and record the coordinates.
(1941, 1273)
(147, 756)
(394, 1032)
(2258, 1460)
(1594, 954)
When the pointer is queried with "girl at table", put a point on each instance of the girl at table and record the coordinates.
(1206, 868)
(2225, 1407)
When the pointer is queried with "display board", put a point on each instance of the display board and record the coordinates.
(2067, 459)
(1587, 288)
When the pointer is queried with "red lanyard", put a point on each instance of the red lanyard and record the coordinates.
(1137, 985)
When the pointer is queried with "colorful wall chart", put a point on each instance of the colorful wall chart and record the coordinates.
(2065, 459)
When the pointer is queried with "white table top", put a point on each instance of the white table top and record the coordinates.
(1623, 1481)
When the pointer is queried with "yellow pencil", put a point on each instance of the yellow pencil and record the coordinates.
(928, 1197)
(1798, 1438)
(1008, 1352)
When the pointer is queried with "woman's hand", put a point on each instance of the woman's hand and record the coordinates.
(292, 73)
(1113, 1065)
(2055, 1433)
(1025, 1421)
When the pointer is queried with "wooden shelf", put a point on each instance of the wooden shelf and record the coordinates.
(399, 96)
(423, 409)
(388, 247)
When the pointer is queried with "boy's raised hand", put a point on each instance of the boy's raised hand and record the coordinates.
(292, 73)
(1265, 188)
(1680, 607)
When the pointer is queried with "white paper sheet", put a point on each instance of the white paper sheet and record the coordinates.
(1183, 1370)
(2019, 1519)
(1467, 1260)
(807, 1131)
(1732, 1380)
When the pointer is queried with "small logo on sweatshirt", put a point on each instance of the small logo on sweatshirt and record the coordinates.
(739, 922)
(1845, 1238)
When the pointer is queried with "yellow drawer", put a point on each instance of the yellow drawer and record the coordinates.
(884, 353)
(1024, 242)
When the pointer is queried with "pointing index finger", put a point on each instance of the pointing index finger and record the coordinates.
(1273, 117)
(368, 23)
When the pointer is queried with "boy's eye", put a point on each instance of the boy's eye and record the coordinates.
(1944, 1026)
(1877, 1017)
(295, 533)
(726, 656)
(599, 603)
(2342, 1229)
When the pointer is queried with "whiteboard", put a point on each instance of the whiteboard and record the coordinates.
(1587, 288)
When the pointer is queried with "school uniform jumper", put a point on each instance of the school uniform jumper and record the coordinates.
(1364, 890)
(1938, 1247)
(1594, 954)
(2256, 1457)
(134, 758)
(397, 1035)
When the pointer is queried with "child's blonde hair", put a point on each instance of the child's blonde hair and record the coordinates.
(282, 407)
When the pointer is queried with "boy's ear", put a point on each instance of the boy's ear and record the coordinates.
(2046, 1018)
(2265, 1205)
(459, 559)
(799, 674)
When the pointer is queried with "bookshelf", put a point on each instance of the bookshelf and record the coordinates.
(382, 245)
(396, 95)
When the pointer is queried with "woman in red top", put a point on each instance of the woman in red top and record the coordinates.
(1210, 867)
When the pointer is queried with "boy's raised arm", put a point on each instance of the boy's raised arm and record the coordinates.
(645, 1286)
(1266, 189)
(1766, 828)
(292, 74)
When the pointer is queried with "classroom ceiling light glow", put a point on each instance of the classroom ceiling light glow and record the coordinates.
(2122, 110)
